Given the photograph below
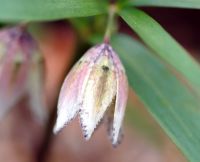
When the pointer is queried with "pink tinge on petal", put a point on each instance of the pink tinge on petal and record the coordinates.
(14, 67)
(12, 79)
(68, 103)
(121, 100)
(93, 53)
(96, 81)
(12, 84)
(99, 91)
(73, 87)
(6, 98)
(10, 94)
(9, 34)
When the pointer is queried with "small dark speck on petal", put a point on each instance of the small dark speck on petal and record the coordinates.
(105, 68)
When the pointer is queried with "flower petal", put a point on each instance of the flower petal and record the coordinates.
(12, 81)
(17, 50)
(35, 89)
(71, 92)
(121, 99)
(98, 93)
(13, 69)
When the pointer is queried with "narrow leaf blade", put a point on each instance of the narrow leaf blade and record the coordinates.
(35, 10)
(195, 4)
(174, 107)
(163, 45)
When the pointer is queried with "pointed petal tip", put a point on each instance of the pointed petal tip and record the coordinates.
(88, 126)
(63, 120)
(115, 142)
(87, 130)
(64, 116)
(87, 136)
(117, 139)
(57, 127)
(56, 130)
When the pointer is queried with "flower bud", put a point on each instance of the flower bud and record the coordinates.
(17, 50)
(97, 81)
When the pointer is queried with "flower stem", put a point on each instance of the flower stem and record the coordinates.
(23, 25)
(110, 23)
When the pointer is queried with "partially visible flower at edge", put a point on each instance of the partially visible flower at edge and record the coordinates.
(95, 86)
(19, 57)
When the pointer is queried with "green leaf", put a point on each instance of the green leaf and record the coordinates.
(34, 10)
(168, 3)
(173, 106)
(163, 45)
(138, 118)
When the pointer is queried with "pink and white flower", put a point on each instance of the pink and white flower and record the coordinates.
(19, 62)
(95, 84)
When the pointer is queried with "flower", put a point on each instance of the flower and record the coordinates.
(19, 55)
(96, 83)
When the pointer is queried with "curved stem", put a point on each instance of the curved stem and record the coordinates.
(110, 23)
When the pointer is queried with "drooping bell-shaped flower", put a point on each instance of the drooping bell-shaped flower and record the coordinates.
(94, 85)
(18, 53)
